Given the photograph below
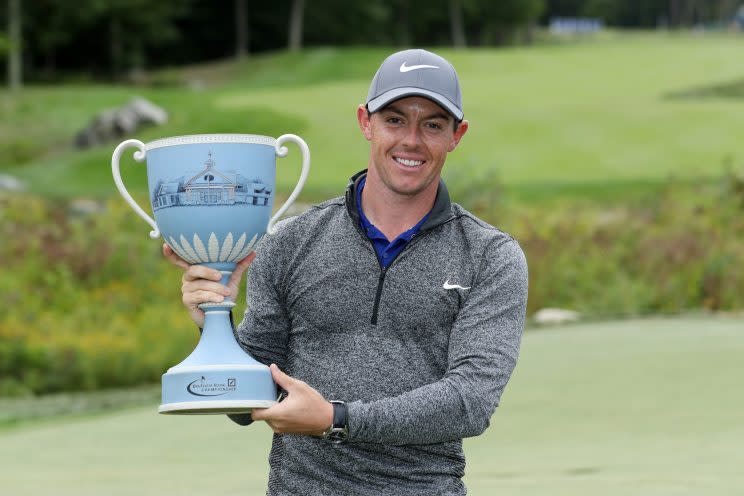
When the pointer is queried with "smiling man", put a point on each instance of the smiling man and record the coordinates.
(391, 316)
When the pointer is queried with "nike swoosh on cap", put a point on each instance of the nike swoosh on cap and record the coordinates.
(405, 68)
(447, 285)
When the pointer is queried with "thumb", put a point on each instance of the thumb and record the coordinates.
(282, 379)
(240, 269)
(173, 257)
(243, 265)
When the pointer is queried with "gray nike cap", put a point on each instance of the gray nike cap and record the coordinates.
(416, 73)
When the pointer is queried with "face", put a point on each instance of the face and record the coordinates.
(409, 141)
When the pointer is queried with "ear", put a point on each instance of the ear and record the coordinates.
(364, 121)
(458, 134)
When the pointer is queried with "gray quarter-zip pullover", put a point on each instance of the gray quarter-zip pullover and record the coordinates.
(420, 351)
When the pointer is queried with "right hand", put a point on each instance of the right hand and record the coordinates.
(200, 284)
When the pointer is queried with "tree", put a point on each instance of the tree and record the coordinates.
(133, 24)
(242, 31)
(458, 27)
(14, 45)
(497, 23)
(296, 18)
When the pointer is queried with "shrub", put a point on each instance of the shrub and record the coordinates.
(89, 302)
(678, 249)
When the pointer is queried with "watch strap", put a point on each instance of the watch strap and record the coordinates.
(339, 430)
(339, 414)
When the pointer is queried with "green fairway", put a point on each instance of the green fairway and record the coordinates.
(596, 116)
(638, 407)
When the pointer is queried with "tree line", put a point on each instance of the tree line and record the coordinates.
(49, 39)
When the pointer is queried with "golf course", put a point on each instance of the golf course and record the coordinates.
(616, 160)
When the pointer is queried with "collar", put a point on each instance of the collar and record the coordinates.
(372, 231)
(440, 213)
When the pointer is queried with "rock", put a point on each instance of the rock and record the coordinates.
(125, 122)
(84, 207)
(547, 316)
(196, 85)
(148, 112)
(11, 183)
(117, 123)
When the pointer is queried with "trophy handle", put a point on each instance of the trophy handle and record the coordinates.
(139, 156)
(281, 151)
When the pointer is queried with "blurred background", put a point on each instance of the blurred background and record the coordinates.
(605, 136)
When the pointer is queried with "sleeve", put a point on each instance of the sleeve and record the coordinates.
(483, 349)
(264, 330)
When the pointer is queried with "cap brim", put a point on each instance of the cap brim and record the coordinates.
(396, 94)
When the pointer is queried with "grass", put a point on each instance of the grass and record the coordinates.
(642, 407)
(17, 411)
(591, 118)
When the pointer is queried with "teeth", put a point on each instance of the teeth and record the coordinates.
(409, 163)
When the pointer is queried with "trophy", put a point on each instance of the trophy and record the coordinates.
(211, 196)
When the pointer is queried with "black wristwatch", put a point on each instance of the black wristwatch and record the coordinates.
(338, 432)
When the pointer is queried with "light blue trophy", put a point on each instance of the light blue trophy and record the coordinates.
(212, 196)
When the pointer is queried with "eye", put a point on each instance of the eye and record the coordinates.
(434, 125)
(393, 120)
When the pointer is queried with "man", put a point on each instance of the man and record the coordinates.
(401, 307)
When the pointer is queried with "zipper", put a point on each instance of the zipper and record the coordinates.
(383, 270)
(380, 282)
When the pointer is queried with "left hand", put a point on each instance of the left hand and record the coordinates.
(303, 411)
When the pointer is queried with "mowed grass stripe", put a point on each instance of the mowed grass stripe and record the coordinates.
(642, 407)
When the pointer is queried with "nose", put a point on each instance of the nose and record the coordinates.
(412, 136)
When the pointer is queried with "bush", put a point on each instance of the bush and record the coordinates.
(676, 250)
(90, 303)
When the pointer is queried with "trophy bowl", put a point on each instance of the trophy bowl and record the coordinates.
(212, 197)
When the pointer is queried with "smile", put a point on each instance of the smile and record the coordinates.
(408, 163)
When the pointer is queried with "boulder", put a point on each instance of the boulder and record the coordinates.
(11, 183)
(147, 112)
(120, 122)
(84, 207)
(547, 316)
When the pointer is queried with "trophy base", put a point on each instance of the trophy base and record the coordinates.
(216, 407)
(214, 389)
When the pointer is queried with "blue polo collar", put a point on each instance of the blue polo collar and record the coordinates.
(386, 250)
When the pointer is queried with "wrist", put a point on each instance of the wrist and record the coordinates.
(327, 417)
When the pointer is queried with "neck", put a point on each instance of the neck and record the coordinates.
(392, 213)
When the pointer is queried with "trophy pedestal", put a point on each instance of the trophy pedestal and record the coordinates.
(223, 389)
(218, 377)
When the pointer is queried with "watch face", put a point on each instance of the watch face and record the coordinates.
(337, 435)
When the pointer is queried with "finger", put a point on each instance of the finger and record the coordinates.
(198, 297)
(173, 258)
(195, 272)
(282, 379)
(263, 414)
(204, 285)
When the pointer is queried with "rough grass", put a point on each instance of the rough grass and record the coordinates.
(642, 407)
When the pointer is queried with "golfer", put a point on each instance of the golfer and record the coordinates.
(390, 316)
